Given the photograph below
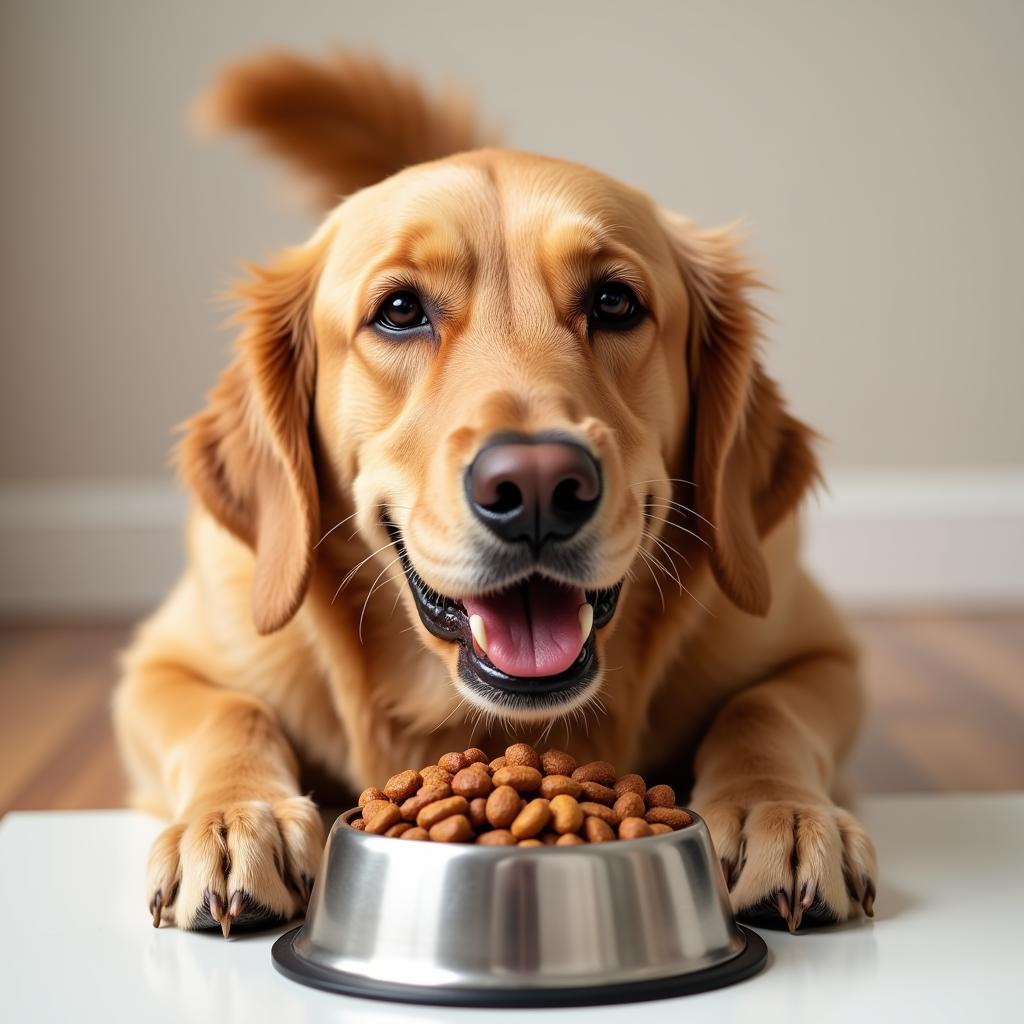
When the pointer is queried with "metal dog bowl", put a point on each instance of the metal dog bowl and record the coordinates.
(503, 926)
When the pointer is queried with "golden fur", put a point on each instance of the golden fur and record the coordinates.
(724, 664)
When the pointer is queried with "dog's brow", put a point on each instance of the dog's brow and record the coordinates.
(578, 250)
(437, 258)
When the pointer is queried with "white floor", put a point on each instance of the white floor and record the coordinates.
(77, 943)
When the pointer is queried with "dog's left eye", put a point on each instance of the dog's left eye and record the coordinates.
(401, 311)
(615, 307)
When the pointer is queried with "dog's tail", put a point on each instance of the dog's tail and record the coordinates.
(344, 122)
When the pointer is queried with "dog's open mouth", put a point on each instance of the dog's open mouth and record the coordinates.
(534, 639)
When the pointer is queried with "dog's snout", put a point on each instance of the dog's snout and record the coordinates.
(533, 489)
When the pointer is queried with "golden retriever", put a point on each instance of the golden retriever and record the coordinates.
(523, 402)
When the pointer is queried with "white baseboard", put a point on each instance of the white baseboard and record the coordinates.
(97, 549)
(877, 539)
(891, 539)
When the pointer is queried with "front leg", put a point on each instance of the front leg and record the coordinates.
(244, 844)
(763, 776)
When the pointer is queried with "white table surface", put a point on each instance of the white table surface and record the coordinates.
(77, 944)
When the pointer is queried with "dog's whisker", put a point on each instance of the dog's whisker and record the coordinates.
(664, 480)
(547, 730)
(667, 549)
(352, 572)
(401, 590)
(700, 603)
(661, 593)
(342, 522)
(445, 720)
(373, 587)
(668, 522)
(682, 508)
(658, 563)
(682, 587)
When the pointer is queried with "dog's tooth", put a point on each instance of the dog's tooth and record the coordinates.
(479, 631)
(586, 621)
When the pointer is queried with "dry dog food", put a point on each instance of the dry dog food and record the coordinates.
(521, 798)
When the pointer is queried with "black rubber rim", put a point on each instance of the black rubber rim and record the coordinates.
(742, 966)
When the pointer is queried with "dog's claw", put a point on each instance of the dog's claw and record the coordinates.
(156, 907)
(235, 908)
(216, 906)
(868, 902)
(782, 906)
(727, 872)
(808, 892)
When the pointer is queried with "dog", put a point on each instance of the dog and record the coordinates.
(495, 456)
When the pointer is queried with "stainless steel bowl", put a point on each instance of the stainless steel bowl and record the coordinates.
(505, 926)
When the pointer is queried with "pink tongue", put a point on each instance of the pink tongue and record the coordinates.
(532, 629)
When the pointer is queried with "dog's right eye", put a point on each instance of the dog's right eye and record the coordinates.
(401, 311)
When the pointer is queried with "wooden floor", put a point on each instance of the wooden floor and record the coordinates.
(947, 709)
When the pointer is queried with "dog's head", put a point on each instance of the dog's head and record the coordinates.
(524, 379)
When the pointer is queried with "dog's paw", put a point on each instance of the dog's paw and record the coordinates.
(793, 862)
(247, 865)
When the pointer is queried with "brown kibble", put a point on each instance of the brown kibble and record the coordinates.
(453, 829)
(629, 805)
(383, 820)
(531, 819)
(428, 795)
(402, 786)
(432, 775)
(503, 806)
(671, 816)
(522, 754)
(522, 797)
(557, 785)
(472, 782)
(454, 761)
(441, 809)
(661, 796)
(598, 793)
(597, 831)
(520, 777)
(478, 813)
(566, 815)
(371, 793)
(557, 762)
(631, 783)
(634, 828)
(499, 837)
(371, 807)
(606, 814)
(596, 771)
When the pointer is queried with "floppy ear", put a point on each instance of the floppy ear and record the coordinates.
(749, 460)
(248, 454)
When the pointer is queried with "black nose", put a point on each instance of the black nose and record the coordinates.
(533, 489)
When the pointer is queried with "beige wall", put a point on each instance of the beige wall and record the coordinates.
(874, 149)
